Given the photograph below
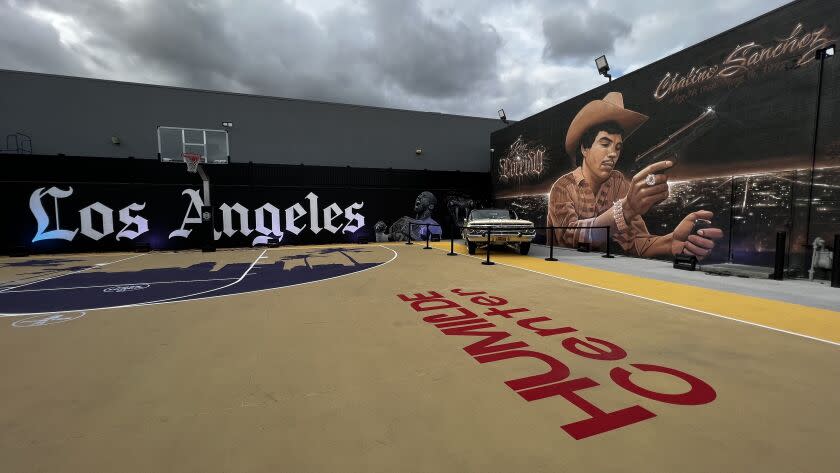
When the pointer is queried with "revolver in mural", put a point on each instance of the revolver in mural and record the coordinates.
(674, 145)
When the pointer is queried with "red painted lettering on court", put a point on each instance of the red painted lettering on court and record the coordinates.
(461, 292)
(485, 346)
(488, 300)
(598, 421)
(700, 392)
(504, 312)
(437, 318)
(460, 321)
(543, 332)
(558, 371)
(433, 304)
(420, 296)
(612, 353)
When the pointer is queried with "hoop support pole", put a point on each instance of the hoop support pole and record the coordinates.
(206, 182)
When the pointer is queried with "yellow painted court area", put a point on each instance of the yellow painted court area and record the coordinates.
(799, 319)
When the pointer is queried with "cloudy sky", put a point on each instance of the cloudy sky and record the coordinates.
(467, 57)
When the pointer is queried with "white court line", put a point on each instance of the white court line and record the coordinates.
(120, 284)
(98, 265)
(210, 290)
(659, 301)
(168, 301)
(69, 259)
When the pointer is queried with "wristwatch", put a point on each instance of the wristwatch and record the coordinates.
(618, 216)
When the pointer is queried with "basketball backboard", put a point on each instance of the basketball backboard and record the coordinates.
(211, 145)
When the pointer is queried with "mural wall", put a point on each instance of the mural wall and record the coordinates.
(736, 119)
(56, 213)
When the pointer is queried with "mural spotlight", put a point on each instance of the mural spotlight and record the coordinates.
(603, 67)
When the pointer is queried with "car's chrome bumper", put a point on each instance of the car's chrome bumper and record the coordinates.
(499, 239)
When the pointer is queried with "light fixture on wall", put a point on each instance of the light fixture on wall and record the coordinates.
(418, 151)
(820, 55)
(826, 52)
(115, 140)
(603, 67)
(227, 124)
(502, 115)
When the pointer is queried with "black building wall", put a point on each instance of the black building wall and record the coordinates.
(78, 116)
(43, 195)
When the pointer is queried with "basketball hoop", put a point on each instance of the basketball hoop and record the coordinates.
(192, 160)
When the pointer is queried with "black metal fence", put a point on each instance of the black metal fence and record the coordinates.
(488, 232)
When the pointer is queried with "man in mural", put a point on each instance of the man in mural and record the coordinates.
(424, 206)
(596, 195)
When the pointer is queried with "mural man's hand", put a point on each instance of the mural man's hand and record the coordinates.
(642, 196)
(699, 244)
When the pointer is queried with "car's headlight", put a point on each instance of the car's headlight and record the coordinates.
(529, 231)
(476, 231)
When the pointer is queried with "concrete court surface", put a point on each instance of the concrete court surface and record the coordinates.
(271, 361)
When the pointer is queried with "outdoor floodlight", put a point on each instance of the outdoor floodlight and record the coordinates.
(502, 115)
(227, 124)
(820, 55)
(603, 67)
(823, 53)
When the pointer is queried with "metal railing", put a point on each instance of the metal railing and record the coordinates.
(518, 230)
(508, 230)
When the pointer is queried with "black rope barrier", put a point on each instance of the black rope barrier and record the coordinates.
(452, 245)
(551, 246)
(608, 255)
(488, 231)
(835, 267)
(488, 262)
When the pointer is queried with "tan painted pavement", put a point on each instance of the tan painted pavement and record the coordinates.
(343, 375)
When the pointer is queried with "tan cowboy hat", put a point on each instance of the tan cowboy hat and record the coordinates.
(600, 111)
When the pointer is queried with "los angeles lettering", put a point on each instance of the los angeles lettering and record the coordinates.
(267, 218)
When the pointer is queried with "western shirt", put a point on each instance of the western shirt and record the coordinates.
(571, 203)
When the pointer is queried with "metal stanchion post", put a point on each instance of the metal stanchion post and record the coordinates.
(488, 262)
(452, 246)
(608, 255)
(835, 267)
(551, 246)
(409, 234)
(779, 264)
(428, 235)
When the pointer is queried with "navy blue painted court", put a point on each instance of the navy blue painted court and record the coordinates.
(61, 284)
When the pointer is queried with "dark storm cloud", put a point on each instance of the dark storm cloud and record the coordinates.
(467, 56)
(27, 44)
(582, 36)
(273, 48)
(434, 57)
(185, 39)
